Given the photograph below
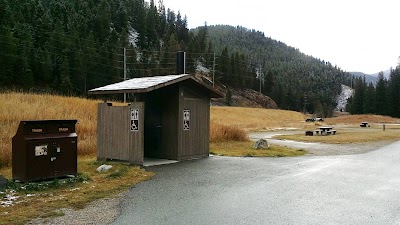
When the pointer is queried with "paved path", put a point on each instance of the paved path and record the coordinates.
(319, 149)
(347, 189)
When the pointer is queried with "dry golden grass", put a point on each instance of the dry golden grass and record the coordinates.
(229, 125)
(348, 137)
(245, 149)
(47, 203)
(357, 119)
(26, 106)
(15, 107)
(251, 119)
(219, 133)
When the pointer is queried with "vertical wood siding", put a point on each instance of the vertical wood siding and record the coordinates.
(114, 138)
(194, 143)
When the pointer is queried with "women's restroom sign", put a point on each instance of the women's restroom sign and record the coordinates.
(186, 119)
(134, 119)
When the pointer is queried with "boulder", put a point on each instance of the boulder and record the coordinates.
(261, 144)
(103, 168)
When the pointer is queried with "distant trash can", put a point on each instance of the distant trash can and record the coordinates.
(44, 149)
(309, 133)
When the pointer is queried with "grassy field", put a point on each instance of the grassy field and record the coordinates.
(357, 119)
(254, 119)
(349, 131)
(15, 107)
(227, 123)
(347, 136)
(228, 136)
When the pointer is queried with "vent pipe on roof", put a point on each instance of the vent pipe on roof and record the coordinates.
(180, 62)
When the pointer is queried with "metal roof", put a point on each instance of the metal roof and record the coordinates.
(147, 84)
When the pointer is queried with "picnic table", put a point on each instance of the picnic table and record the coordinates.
(364, 124)
(326, 130)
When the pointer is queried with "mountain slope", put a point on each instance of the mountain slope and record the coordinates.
(292, 79)
(368, 78)
(386, 74)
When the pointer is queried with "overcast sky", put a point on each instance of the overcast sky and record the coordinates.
(355, 35)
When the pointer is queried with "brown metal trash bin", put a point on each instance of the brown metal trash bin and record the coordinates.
(44, 149)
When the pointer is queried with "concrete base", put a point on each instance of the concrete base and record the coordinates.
(156, 162)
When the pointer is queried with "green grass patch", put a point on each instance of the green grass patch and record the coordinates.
(346, 137)
(44, 185)
(245, 149)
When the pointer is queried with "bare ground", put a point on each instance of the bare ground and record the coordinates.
(99, 212)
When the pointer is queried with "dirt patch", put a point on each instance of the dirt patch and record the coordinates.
(102, 211)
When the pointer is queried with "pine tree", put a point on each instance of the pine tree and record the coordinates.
(8, 58)
(381, 96)
(394, 93)
(358, 101)
(138, 22)
(228, 97)
(224, 67)
(269, 82)
(369, 100)
(151, 25)
(65, 79)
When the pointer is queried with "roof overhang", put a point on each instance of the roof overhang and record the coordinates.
(148, 84)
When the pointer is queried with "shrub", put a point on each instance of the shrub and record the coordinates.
(220, 133)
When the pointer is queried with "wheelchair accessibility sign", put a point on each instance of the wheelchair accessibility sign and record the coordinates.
(134, 119)
(186, 119)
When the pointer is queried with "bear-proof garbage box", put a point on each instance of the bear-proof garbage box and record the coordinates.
(44, 149)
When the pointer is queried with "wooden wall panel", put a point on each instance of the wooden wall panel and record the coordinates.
(136, 138)
(194, 143)
(114, 138)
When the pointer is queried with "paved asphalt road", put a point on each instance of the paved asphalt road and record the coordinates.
(351, 189)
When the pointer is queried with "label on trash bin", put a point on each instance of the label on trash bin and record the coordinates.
(37, 130)
(40, 150)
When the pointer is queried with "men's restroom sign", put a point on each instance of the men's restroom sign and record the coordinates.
(134, 119)
(186, 119)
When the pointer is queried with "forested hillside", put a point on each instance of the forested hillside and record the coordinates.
(294, 80)
(71, 46)
(382, 99)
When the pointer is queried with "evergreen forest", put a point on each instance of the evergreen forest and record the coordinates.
(71, 46)
(382, 99)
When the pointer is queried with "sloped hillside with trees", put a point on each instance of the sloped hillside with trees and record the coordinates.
(382, 99)
(292, 79)
(71, 46)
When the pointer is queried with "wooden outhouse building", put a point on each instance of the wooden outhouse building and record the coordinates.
(169, 118)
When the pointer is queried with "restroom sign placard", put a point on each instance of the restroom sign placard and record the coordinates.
(186, 119)
(134, 119)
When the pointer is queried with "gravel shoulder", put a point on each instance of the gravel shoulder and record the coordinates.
(104, 211)
(99, 212)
